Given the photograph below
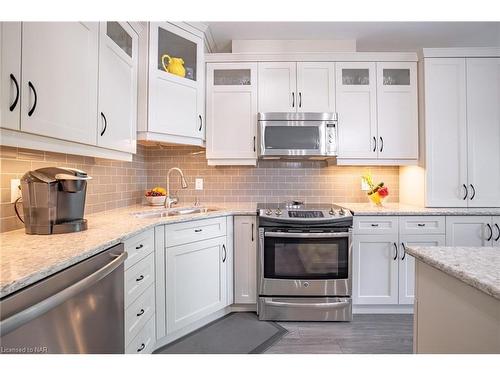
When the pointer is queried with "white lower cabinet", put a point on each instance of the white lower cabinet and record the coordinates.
(407, 262)
(383, 273)
(472, 231)
(245, 259)
(195, 281)
(375, 269)
(144, 342)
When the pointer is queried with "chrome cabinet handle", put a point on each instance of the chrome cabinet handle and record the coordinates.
(374, 144)
(473, 192)
(201, 122)
(300, 100)
(466, 192)
(293, 100)
(139, 247)
(225, 253)
(33, 312)
(140, 278)
(395, 251)
(16, 99)
(404, 250)
(141, 348)
(491, 232)
(105, 124)
(381, 144)
(30, 85)
(140, 312)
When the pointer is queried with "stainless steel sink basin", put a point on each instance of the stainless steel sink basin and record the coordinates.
(173, 212)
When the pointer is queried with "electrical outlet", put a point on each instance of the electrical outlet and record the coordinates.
(364, 185)
(15, 189)
(198, 183)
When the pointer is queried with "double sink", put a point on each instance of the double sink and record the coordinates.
(173, 212)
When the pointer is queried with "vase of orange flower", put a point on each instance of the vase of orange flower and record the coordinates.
(378, 192)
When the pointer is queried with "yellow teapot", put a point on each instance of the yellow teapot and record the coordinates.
(175, 65)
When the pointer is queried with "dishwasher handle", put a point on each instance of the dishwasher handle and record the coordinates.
(15, 321)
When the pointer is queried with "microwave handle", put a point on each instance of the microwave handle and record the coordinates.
(306, 235)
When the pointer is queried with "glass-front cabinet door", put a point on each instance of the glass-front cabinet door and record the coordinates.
(357, 108)
(176, 81)
(397, 116)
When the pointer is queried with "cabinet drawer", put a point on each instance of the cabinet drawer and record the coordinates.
(138, 278)
(422, 225)
(375, 224)
(192, 231)
(138, 313)
(139, 246)
(143, 342)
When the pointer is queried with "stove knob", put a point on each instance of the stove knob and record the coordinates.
(269, 212)
(331, 212)
(342, 212)
(277, 212)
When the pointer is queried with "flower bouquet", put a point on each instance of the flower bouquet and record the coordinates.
(377, 193)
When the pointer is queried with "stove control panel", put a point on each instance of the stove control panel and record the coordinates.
(304, 214)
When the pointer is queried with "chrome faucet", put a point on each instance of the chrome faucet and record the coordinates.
(170, 199)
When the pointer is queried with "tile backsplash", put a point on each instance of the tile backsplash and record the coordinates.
(118, 183)
(270, 181)
(114, 183)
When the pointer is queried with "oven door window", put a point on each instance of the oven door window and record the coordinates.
(292, 138)
(306, 258)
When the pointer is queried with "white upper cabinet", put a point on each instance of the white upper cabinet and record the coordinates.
(315, 87)
(118, 47)
(10, 74)
(175, 112)
(397, 108)
(445, 132)
(59, 84)
(462, 126)
(483, 131)
(357, 110)
(277, 87)
(231, 113)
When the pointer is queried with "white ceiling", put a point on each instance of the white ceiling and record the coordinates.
(370, 36)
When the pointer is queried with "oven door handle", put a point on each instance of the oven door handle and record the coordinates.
(321, 305)
(306, 235)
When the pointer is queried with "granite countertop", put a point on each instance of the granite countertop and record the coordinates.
(399, 209)
(26, 259)
(478, 267)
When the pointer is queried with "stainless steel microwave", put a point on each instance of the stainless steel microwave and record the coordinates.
(297, 135)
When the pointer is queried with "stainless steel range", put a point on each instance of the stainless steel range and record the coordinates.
(304, 262)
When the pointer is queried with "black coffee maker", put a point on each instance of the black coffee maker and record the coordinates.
(54, 200)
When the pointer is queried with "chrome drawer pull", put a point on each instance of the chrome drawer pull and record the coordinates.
(140, 312)
(139, 247)
(140, 278)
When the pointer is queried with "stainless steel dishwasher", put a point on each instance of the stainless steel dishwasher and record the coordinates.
(78, 310)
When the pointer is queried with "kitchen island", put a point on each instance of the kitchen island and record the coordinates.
(457, 299)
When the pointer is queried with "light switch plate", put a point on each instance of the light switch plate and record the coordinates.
(198, 183)
(15, 191)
